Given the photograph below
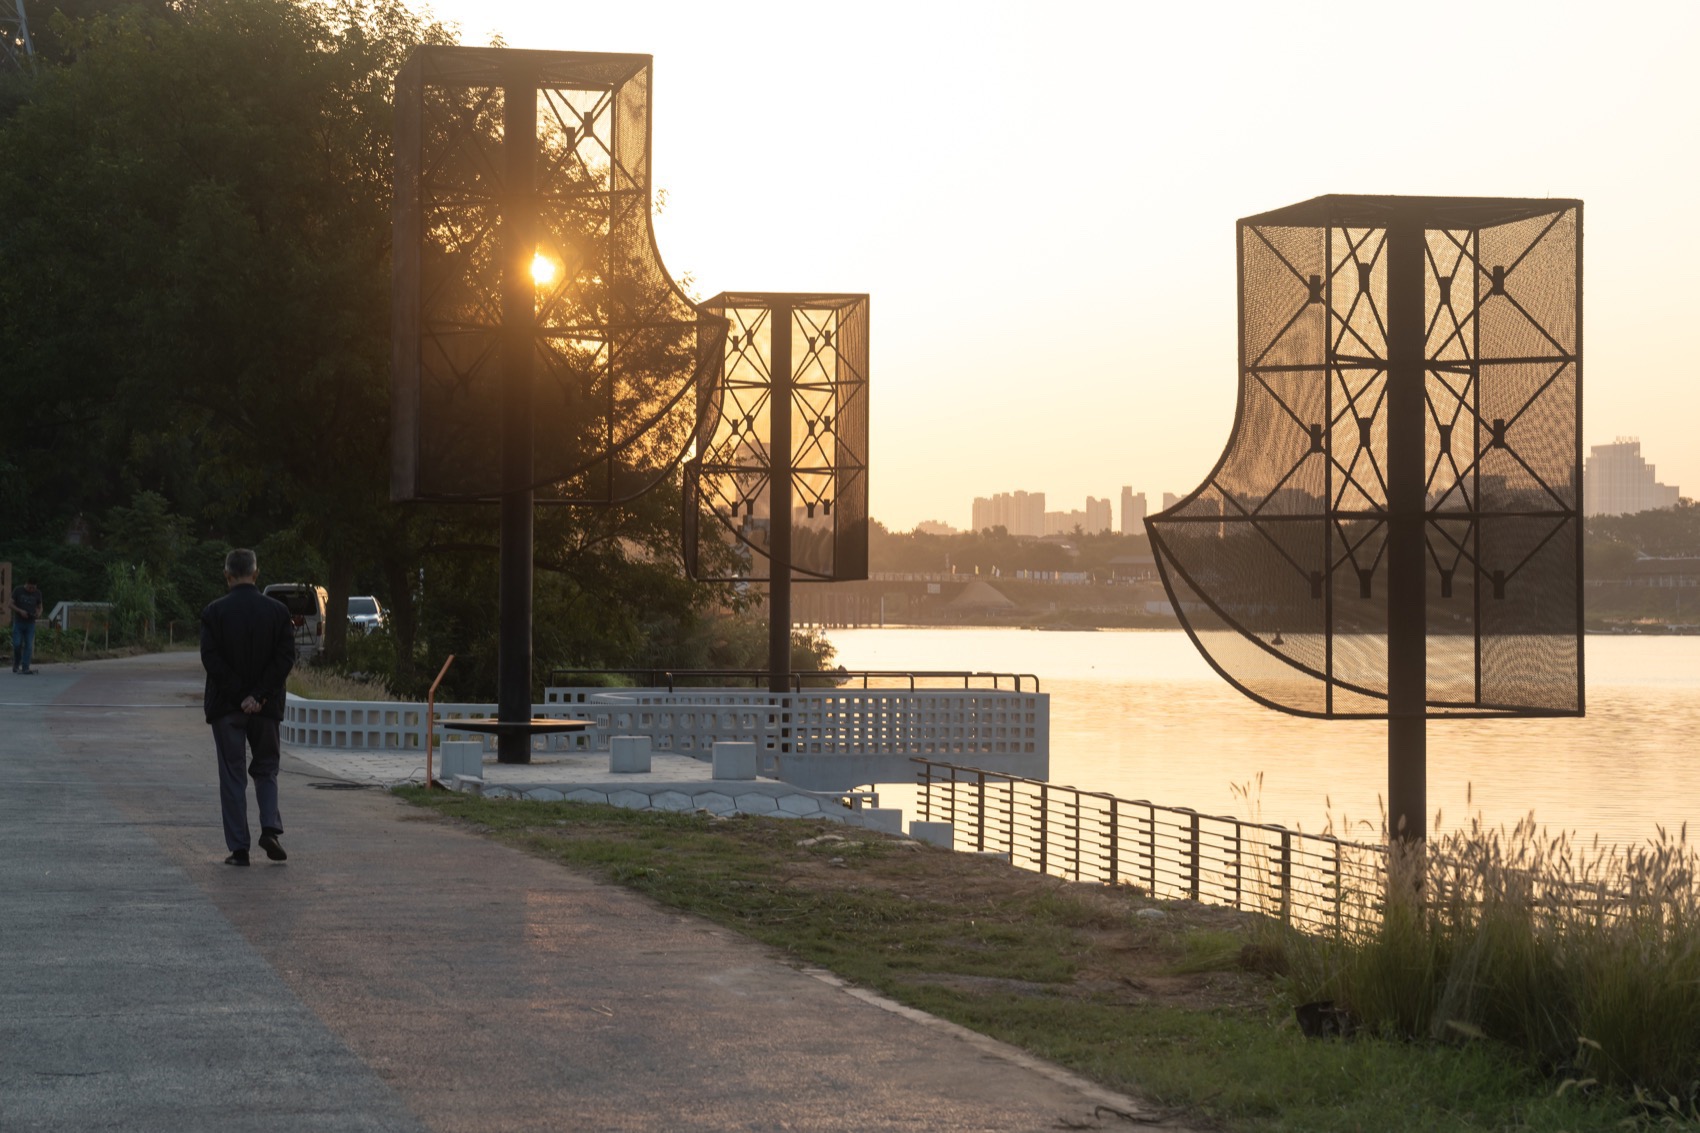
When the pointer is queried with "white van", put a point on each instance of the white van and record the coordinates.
(306, 604)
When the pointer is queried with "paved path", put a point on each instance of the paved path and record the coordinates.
(397, 973)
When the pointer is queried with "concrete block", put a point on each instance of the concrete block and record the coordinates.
(937, 833)
(586, 795)
(888, 820)
(471, 784)
(734, 760)
(799, 805)
(460, 757)
(631, 800)
(756, 804)
(671, 800)
(628, 755)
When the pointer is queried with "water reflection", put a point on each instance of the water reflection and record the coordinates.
(1140, 714)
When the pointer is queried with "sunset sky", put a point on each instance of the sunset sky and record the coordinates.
(1040, 197)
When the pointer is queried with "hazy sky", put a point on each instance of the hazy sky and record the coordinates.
(1040, 197)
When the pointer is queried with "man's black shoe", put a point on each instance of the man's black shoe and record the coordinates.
(272, 847)
(237, 857)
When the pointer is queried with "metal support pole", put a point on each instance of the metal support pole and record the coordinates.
(779, 497)
(1407, 568)
(519, 317)
(1195, 853)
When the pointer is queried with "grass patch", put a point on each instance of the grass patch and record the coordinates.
(1160, 1006)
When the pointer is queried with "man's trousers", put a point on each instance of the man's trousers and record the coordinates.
(230, 734)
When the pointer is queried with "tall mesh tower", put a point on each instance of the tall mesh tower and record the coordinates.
(1394, 529)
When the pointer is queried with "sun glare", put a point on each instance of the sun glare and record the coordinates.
(542, 268)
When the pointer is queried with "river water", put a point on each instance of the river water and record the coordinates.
(1138, 713)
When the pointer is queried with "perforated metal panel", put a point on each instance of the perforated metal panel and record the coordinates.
(616, 346)
(1282, 565)
(729, 484)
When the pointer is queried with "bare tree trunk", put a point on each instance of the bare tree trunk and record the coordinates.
(339, 583)
(399, 572)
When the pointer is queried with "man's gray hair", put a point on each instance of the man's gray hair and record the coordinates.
(241, 563)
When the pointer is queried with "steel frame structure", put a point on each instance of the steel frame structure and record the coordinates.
(786, 430)
(16, 46)
(504, 382)
(507, 163)
(1393, 530)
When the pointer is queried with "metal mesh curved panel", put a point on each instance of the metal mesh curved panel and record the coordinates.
(615, 346)
(1402, 485)
(729, 484)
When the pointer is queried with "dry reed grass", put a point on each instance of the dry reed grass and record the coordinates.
(1587, 958)
(321, 684)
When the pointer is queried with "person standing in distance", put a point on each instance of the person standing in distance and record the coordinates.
(26, 608)
(247, 649)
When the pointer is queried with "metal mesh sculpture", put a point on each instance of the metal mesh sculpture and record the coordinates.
(540, 345)
(736, 484)
(1393, 529)
(608, 405)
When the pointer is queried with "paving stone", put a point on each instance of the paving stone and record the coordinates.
(544, 795)
(631, 800)
(756, 804)
(715, 803)
(671, 800)
(799, 805)
(586, 795)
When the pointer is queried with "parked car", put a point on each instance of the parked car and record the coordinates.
(306, 604)
(365, 613)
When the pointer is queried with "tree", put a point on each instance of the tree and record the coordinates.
(202, 261)
(194, 301)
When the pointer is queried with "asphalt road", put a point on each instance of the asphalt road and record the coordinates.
(397, 973)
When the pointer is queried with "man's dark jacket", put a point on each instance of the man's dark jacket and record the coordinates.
(247, 649)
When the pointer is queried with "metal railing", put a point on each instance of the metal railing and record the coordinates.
(1311, 880)
(822, 678)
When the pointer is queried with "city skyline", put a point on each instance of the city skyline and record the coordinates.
(1099, 327)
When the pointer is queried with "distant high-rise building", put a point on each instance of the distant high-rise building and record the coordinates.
(1170, 500)
(1133, 511)
(1617, 481)
(1097, 516)
(934, 527)
(1019, 513)
(1064, 522)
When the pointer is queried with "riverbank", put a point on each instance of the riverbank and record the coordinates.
(997, 601)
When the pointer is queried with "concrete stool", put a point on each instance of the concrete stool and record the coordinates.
(734, 760)
(936, 833)
(460, 757)
(887, 820)
(628, 755)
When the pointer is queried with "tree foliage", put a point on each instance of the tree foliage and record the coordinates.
(194, 311)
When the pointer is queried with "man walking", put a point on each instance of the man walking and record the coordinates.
(26, 608)
(247, 649)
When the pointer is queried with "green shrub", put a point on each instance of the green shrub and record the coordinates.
(134, 595)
